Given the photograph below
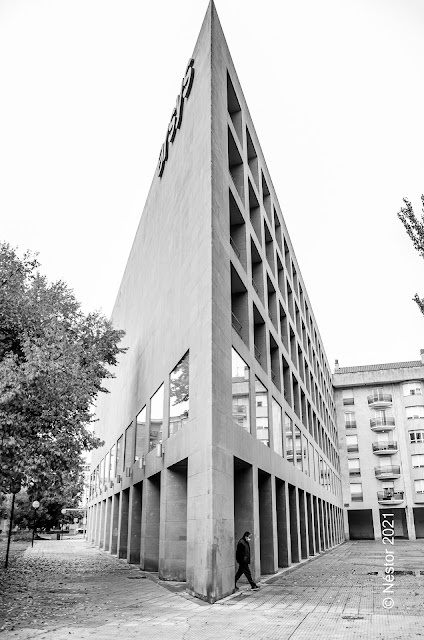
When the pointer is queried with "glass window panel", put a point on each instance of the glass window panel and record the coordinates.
(107, 468)
(179, 395)
(156, 417)
(119, 456)
(102, 474)
(305, 455)
(240, 391)
(140, 434)
(298, 447)
(412, 388)
(277, 427)
(418, 460)
(414, 412)
(288, 429)
(129, 443)
(261, 403)
(356, 488)
(112, 462)
(419, 486)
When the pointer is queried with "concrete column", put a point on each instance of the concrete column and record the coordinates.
(102, 524)
(90, 524)
(311, 527)
(215, 487)
(150, 522)
(283, 523)
(376, 522)
(410, 523)
(325, 524)
(123, 524)
(268, 561)
(115, 524)
(303, 524)
(173, 524)
(317, 525)
(108, 523)
(134, 524)
(294, 523)
(98, 523)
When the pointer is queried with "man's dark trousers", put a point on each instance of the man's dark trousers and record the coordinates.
(244, 568)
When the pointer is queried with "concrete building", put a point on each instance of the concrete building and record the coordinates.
(380, 418)
(221, 418)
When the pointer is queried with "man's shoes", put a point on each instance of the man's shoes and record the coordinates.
(255, 587)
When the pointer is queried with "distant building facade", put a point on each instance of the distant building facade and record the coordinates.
(380, 418)
(221, 418)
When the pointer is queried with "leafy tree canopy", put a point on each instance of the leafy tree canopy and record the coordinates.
(53, 359)
(415, 230)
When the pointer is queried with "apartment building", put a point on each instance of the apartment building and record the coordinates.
(221, 418)
(380, 418)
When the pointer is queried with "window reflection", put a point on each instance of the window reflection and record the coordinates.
(277, 427)
(288, 429)
(261, 403)
(240, 391)
(298, 447)
(128, 451)
(156, 418)
(140, 434)
(179, 395)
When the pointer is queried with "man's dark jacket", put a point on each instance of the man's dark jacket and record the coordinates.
(243, 551)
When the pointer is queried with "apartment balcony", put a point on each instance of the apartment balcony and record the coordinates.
(388, 472)
(384, 448)
(382, 424)
(381, 400)
(390, 497)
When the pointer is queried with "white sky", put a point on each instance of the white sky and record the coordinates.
(335, 90)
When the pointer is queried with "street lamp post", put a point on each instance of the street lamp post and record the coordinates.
(35, 506)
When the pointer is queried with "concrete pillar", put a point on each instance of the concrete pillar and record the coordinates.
(123, 524)
(173, 524)
(115, 524)
(98, 522)
(311, 527)
(108, 523)
(102, 524)
(410, 523)
(283, 523)
(294, 524)
(150, 523)
(266, 525)
(376, 522)
(303, 524)
(317, 527)
(134, 524)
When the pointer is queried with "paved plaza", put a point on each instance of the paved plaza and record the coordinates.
(69, 589)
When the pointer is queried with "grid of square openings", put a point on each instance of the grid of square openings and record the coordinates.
(258, 244)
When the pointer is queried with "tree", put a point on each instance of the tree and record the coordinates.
(53, 359)
(415, 230)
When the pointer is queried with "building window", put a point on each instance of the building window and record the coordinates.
(412, 388)
(352, 443)
(179, 395)
(288, 429)
(112, 463)
(414, 412)
(118, 456)
(416, 437)
(354, 467)
(156, 418)
(140, 434)
(305, 455)
(356, 494)
(419, 486)
(350, 422)
(107, 469)
(277, 427)
(240, 391)
(417, 460)
(261, 401)
(298, 447)
(348, 396)
(102, 475)
(128, 451)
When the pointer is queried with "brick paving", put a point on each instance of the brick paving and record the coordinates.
(78, 591)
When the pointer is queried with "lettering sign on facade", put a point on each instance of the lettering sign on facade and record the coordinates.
(177, 116)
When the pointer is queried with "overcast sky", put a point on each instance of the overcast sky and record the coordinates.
(335, 89)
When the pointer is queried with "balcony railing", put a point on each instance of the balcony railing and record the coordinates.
(388, 471)
(382, 422)
(390, 496)
(236, 323)
(233, 244)
(258, 354)
(384, 447)
(380, 398)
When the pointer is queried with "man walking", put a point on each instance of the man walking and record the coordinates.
(243, 558)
